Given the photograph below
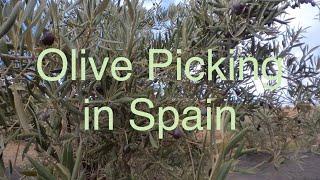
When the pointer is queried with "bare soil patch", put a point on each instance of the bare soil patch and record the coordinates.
(13, 152)
(305, 167)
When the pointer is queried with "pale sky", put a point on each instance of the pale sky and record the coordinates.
(307, 16)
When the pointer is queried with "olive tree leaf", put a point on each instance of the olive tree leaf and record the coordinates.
(77, 164)
(42, 170)
(5, 27)
(101, 7)
(130, 10)
(153, 142)
(29, 10)
(63, 171)
(67, 158)
(23, 117)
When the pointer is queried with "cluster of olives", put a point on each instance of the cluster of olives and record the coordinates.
(312, 2)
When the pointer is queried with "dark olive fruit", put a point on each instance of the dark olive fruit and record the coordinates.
(238, 8)
(47, 38)
(99, 89)
(193, 43)
(296, 5)
(228, 34)
(269, 24)
(238, 92)
(259, 127)
(261, 103)
(177, 133)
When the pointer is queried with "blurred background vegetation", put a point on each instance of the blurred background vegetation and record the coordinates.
(48, 116)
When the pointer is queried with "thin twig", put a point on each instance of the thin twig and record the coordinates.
(192, 163)
(16, 57)
(15, 159)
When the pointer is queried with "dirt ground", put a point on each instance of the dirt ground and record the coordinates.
(13, 152)
(306, 167)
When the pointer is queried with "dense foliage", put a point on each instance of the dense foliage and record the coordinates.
(49, 115)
